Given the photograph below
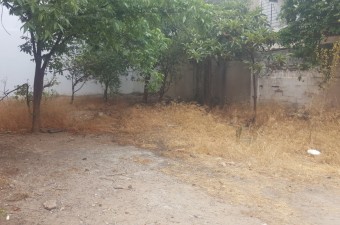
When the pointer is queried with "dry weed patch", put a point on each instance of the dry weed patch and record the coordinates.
(279, 139)
(14, 116)
(3, 182)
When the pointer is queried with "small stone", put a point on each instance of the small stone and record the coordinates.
(51, 204)
(231, 163)
(223, 164)
(130, 187)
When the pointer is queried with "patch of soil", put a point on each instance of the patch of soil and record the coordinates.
(66, 179)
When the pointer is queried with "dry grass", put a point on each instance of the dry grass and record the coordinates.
(279, 139)
(14, 116)
(3, 182)
(262, 156)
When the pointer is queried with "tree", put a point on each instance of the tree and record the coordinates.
(257, 38)
(144, 59)
(160, 49)
(76, 74)
(52, 27)
(168, 63)
(105, 65)
(177, 28)
(231, 32)
(308, 24)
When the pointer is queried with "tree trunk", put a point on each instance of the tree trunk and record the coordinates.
(37, 94)
(207, 82)
(254, 76)
(72, 96)
(255, 94)
(163, 87)
(146, 88)
(27, 96)
(222, 67)
(73, 86)
(106, 90)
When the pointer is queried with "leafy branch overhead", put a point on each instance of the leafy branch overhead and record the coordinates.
(155, 36)
(51, 28)
(308, 24)
(231, 31)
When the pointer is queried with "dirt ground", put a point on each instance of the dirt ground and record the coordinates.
(89, 179)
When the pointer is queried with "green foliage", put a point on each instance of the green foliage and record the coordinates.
(75, 69)
(23, 91)
(176, 24)
(308, 23)
(231, 31)
(50, 94)
(103, 64)
(128, 27)
(329, 60)
(48, 25)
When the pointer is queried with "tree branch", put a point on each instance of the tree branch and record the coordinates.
(51, 83)
(7, 5)
(82, 85)
(34, 45)
(2, 12)
(47, 57)
(6, 93)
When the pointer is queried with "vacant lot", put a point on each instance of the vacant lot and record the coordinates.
(202, 166)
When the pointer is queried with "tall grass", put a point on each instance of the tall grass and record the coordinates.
(14, 116)
(280, 137)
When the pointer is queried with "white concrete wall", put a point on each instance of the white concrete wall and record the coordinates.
(131, 84)
(284, 86)
(17, 67)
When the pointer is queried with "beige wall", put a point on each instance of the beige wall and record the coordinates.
(237, 83)
(289, 86)
(299, 87)
(230, 83)
(183, 85)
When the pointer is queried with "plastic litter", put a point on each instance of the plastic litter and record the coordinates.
(313, 152)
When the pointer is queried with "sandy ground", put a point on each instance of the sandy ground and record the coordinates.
(91, 180)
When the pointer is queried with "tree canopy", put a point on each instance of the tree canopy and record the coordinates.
(146, 35)
(308, 24)
(231, 31)
(52, 27)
